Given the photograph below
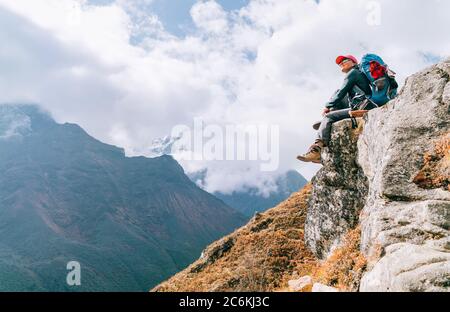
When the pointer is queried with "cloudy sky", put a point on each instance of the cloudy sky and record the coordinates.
(129, 71)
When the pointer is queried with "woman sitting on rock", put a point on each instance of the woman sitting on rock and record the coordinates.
(365, 87)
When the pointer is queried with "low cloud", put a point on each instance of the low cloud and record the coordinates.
(13, 124)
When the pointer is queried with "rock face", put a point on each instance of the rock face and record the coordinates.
(404, 223)
(339, 192)
(392, 176)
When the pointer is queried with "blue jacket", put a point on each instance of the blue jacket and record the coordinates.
(355, 83)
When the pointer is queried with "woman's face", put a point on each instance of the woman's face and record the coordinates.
(346, 65)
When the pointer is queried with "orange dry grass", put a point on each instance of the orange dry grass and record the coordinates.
(267, 253)
(435, 172)
(344, 268)
(263, 258)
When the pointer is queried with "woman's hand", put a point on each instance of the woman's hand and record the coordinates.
(326, 111)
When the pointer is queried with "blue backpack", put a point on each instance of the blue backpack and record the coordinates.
(381, 78)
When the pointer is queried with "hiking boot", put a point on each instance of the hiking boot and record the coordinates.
(313, 155)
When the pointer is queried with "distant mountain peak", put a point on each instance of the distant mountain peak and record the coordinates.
(163, 146)
(33, 111)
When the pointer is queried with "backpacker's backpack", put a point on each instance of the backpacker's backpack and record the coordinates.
(381, 78)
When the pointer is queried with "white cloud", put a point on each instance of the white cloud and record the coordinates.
(115, 70)
(13, 124)
(210, 17)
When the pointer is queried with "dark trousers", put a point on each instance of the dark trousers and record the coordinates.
(327, 123)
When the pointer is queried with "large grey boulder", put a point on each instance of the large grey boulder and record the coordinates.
(405, 228)
(410, 267)
(339, 192)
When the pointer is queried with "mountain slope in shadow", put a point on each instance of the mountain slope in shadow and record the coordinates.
(65, 196)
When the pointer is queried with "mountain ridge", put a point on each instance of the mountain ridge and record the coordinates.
(65, 196)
